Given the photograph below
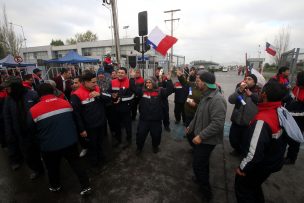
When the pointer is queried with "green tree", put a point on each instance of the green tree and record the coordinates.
(70, 41)
(10, 42)
(56, 42)
(88, 36)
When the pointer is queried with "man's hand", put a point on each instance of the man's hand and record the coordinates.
(187, 130)
(179, 73)
(118, 100)
(94, 94)
(114, 95)
(84, 134)
(197, 140)
(248, 92)
(239, 172)
(243, 85)
(132, 73)
(191, 102)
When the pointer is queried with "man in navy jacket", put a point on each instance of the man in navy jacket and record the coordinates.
(53, 123)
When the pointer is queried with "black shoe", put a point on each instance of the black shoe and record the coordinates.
(155, 150)
(167, 128)
(289, 161)
(15, 167)
(36, 175)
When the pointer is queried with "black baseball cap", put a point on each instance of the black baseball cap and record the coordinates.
(208, 78)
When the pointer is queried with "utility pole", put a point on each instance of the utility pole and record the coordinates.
(172, 21)
(116, 31)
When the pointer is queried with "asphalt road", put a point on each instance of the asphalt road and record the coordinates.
(162, 177)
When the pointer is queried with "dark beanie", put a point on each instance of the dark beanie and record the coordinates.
(255, 79)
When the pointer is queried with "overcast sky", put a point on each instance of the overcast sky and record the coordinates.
(217, 30)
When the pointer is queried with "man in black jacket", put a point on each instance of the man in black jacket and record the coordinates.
(243, 112)
(19, 140)
(89, 109)
(264, 147)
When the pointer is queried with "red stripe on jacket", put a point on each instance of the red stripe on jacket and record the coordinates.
(48, 103)
(83, 93)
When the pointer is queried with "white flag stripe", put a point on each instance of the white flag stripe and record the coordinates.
(156, 36)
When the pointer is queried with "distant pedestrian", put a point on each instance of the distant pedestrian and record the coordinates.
(296, 109)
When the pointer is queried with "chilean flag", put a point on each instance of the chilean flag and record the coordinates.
(160, 41)
(270, 49)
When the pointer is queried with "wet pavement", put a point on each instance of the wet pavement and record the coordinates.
(162, 177)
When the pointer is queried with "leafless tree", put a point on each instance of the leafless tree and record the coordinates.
(281, 43)
(10, 42)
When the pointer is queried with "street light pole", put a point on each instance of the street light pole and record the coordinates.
(116, 30)
(126, 28)
(111, 26)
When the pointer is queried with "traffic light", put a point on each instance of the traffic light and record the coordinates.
(136, 41)
(142, 23)
(147, 46)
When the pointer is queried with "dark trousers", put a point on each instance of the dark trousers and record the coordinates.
(166, 118)
(83, 141)
(249, 188)
(179, 112)
(52, 161)
(2, 134)
(95, 151)
(236, 137)
(123, 119)
(189, 136)
(135, 103)
(110, 113)
(201, 156)
(19, 148)
(144, 127)
(293, 149)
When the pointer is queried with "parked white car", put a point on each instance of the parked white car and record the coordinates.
(225, 69)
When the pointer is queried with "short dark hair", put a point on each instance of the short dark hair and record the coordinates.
(123, 68)
(87, 76)
(64, 70)
(274, 91)
(36, 70)
(76, 77)
(282, 69)
(45, 89)
(159, 68)
(300, 79)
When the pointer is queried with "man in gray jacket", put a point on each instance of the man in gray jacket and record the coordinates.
(245, 99)
(206, 128)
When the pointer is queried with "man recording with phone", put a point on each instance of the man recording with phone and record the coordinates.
(245, 99)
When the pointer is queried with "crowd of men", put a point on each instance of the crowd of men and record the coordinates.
(47, 120)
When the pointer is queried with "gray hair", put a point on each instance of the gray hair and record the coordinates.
(51, 82)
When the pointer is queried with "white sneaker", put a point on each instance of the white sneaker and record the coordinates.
(86, 191)
(83, 153)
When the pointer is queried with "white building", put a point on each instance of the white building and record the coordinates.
(95, 49)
